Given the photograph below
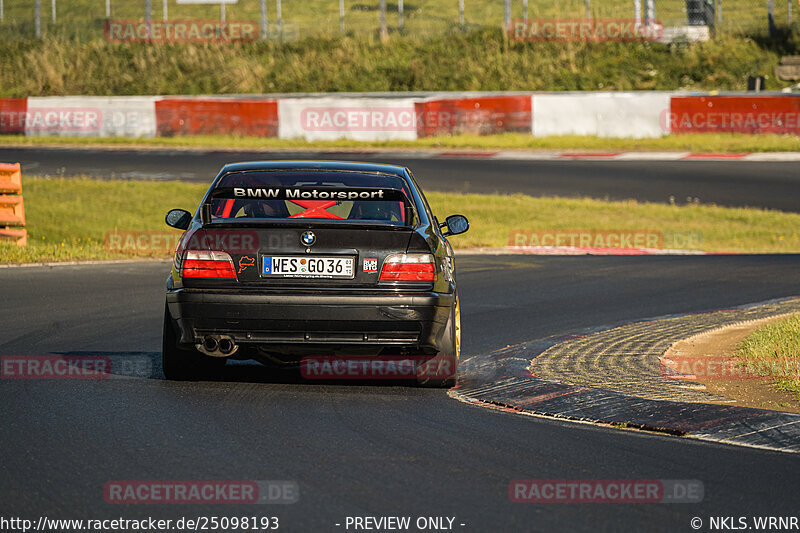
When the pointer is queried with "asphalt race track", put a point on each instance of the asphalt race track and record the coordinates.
(730, 183)
(378, 449)
(370, 449)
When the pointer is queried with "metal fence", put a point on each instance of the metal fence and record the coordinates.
(293, 19)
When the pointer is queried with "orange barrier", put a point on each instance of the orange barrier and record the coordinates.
(217, 116)
(735, 114)
(13, 115)
(12, 210)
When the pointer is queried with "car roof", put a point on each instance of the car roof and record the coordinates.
(347, 166)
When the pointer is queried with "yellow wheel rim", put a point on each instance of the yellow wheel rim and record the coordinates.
(458, 328)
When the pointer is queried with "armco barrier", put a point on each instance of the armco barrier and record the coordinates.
(217, 116)
(404, 116)
(483, 115)
(734, 114)
(91, 116)
(609, 114)
(12, 115)
(12, 210)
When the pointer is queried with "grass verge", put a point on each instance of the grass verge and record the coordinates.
(774, 350)
(68, 219)
(706, 142)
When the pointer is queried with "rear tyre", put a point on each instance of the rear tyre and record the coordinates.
(440, 371)
(182, 365)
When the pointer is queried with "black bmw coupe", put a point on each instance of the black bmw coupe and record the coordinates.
(318, 263)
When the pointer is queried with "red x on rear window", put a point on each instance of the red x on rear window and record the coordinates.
(315, 209)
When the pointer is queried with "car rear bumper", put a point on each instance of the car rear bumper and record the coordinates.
(279, 317)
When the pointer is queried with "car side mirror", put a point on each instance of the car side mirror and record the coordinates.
(456, 224)
(178, 218)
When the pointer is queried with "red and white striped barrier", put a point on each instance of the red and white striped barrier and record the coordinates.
(346, 117)
(476, 115)
(404, 116)
(611, 156)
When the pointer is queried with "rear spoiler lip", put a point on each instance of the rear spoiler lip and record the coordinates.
(297, 192)
(301, 223)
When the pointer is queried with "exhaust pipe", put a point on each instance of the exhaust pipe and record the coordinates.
(226, 345)
(217, 346)
(210, 344)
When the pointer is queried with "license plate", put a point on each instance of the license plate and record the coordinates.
(307, 267)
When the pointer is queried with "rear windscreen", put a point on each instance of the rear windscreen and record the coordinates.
(287, 195)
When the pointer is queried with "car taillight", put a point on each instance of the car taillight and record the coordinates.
(408, 267)
(208, 264)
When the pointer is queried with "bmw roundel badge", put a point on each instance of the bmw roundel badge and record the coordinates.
(308, 238)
